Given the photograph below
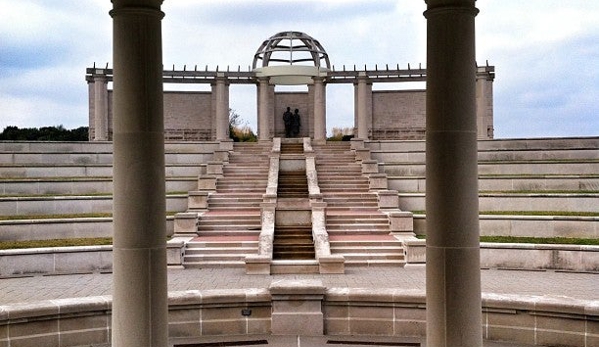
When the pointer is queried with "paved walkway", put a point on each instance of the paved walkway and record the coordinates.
(545, 283)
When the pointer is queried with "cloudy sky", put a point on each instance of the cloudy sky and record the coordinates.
(546, 53)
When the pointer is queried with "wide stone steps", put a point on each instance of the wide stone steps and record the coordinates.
(233, 211)
(370, 252)
(215, 253)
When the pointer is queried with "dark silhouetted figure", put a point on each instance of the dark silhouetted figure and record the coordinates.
(287, 119)
(295, 123)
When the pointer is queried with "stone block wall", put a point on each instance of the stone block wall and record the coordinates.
(188, 116)
(300, 100)
(217, 315)
(398, 114)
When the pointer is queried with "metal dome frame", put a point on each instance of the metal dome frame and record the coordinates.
(287, 41)
(281, 48)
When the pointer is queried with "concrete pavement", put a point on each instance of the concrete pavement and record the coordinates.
(542, 283)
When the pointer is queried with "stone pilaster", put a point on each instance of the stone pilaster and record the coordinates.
(297, 307)
(484, 104)
(139, 307)
(263, 110)
(363, 114)
(453, 304)
(320, 127)
(221, 90)
(100, 108)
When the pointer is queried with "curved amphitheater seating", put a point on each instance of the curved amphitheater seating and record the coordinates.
(54, 181)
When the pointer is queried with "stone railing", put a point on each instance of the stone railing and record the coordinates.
(302, 308)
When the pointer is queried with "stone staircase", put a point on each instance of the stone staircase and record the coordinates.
(228, 231)
(293, 239)
(293, 242)
(357, 229)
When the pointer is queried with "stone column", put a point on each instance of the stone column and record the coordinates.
(320, 122)
(100, 108)
(362, 106)
(263, 114)
(484, 104)
(139, 307)
(221, 90)
(453, 294)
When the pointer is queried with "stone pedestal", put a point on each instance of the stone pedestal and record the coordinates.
(377, 182)
(388, 199)
(297, 307)
(222, 154)
(207, 183)
(186, 223)
(227, 143)
(370, 167)
(197, 200)
(362, 154)
(257, 265)
(331, 264)
(214, 168)
(401, 222)
(356, 143)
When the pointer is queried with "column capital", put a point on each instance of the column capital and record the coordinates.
(445, 6)
(135, 9)
(100, 78)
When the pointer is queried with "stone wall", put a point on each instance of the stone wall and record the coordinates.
(401, 114)
(300, 100)
(188, 116)
(344, 314)
(398, 114)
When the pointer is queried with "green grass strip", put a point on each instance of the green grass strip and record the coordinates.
(531, 213)
(56, 216)
(99, 241)
(66, 216)
(538, 191)
(536, 240)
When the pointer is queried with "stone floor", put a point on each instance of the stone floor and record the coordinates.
(543, 283)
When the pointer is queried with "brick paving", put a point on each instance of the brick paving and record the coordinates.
(543, 283)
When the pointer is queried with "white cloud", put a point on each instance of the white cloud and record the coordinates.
(546, 53)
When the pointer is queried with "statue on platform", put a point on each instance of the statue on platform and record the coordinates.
(287, 118)
(295, 123)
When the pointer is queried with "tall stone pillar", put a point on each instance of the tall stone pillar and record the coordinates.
(362, 111)
(484, 105)
(100, 108)
(453, 294)
(221, 90)
(263, 110)
(320, 122)
(139, 306)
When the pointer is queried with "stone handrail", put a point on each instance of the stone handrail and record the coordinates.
(312, 177)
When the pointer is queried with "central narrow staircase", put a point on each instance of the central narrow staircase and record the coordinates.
(293, 241)
(357, 229)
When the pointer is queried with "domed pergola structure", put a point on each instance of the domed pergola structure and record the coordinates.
(291, 58)
(297, 59)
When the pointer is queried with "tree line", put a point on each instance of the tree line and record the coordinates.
(50, 133)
